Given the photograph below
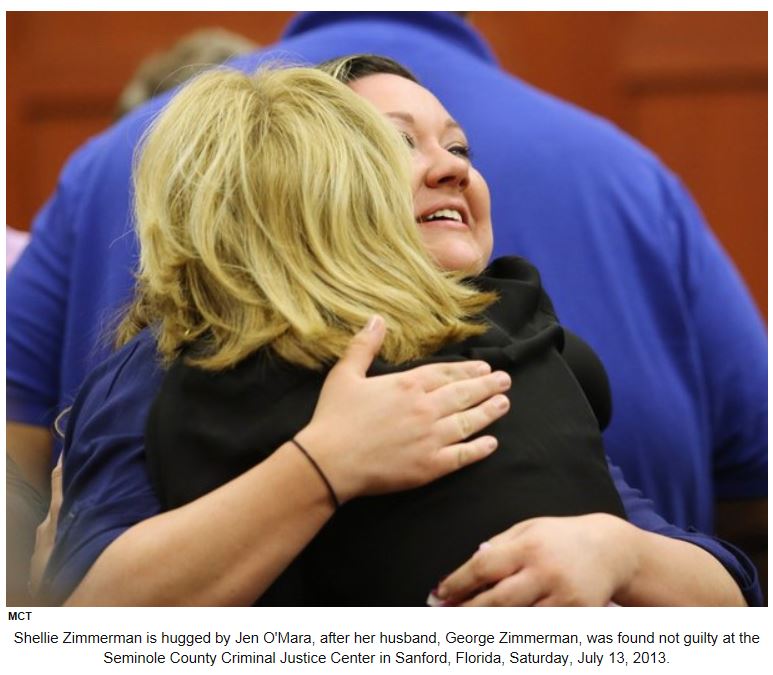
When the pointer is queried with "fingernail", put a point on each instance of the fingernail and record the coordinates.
(372, 323)
(503, 380)
(433, 600)
(484, 546)
(483, 369)
(503, 403)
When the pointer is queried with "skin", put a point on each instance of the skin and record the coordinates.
(225, 560)
(29, 448)
(588, 560)
(546, 561)
(443, 175)
(585, 560)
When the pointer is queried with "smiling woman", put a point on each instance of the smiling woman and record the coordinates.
(257, 422)
(404, 540)
(451, 199)
(266, 238)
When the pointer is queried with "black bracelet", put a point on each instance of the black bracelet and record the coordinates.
(321, 473)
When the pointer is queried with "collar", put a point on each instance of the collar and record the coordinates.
(445, 25)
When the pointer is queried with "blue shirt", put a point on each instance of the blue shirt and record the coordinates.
(107, 487)
(622, 249)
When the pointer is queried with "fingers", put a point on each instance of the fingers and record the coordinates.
(518, 590)
(461, 395)
(436, 375)
(460, 425)
(364, 347)
(489, 566)
(455, 457)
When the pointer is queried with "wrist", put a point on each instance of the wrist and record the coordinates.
(630, 545)
(330, 459)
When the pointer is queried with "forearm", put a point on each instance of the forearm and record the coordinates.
(368, 436)
(30, 447)
(225, 548)
(669, 571)
(28, 471)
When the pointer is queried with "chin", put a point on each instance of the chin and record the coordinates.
(470, 264)
(455, 254)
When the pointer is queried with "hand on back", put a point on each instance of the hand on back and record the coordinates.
(373, 435)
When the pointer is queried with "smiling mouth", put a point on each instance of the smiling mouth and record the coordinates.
(445, 217)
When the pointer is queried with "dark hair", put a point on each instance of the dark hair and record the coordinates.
(356, 66)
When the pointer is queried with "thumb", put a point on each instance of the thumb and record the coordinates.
(56, 486)
(364, 347)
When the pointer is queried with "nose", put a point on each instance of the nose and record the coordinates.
(447, 169)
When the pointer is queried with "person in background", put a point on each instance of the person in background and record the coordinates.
(623, 251)
(28, 439)
(187, 57)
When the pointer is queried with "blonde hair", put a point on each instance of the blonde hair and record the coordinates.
(275, 209)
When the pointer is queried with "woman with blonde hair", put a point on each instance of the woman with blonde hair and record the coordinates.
(276, 219)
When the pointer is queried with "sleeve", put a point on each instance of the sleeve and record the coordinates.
(36, 304)
(36, 298)
(641, 513)
(732, 348)
(106, 484)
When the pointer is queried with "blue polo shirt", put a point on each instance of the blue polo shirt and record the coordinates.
(622, 249)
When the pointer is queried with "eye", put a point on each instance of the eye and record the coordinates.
(409, 140)
(461, 150)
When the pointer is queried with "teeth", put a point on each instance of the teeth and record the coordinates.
(444, 214)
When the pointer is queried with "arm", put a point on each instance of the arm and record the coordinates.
(28, 458)
(597, 558)
(733, 357)
(36, 308)
(30, 446)
(228, 546)
(36, 305)
(589, 560)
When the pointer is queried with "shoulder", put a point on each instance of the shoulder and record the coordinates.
(120, 390)
(104, 440)
(103, 164)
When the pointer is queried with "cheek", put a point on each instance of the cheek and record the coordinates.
(479, 197)
(480, 204)
(485, 238)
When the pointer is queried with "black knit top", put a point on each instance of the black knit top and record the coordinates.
(206, 428)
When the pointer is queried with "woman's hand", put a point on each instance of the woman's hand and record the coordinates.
(563, 562)
(588, 560)
(381, 434)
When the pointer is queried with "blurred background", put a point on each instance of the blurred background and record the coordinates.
(692, 86)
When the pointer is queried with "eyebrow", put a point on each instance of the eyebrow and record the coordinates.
(407, 117)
